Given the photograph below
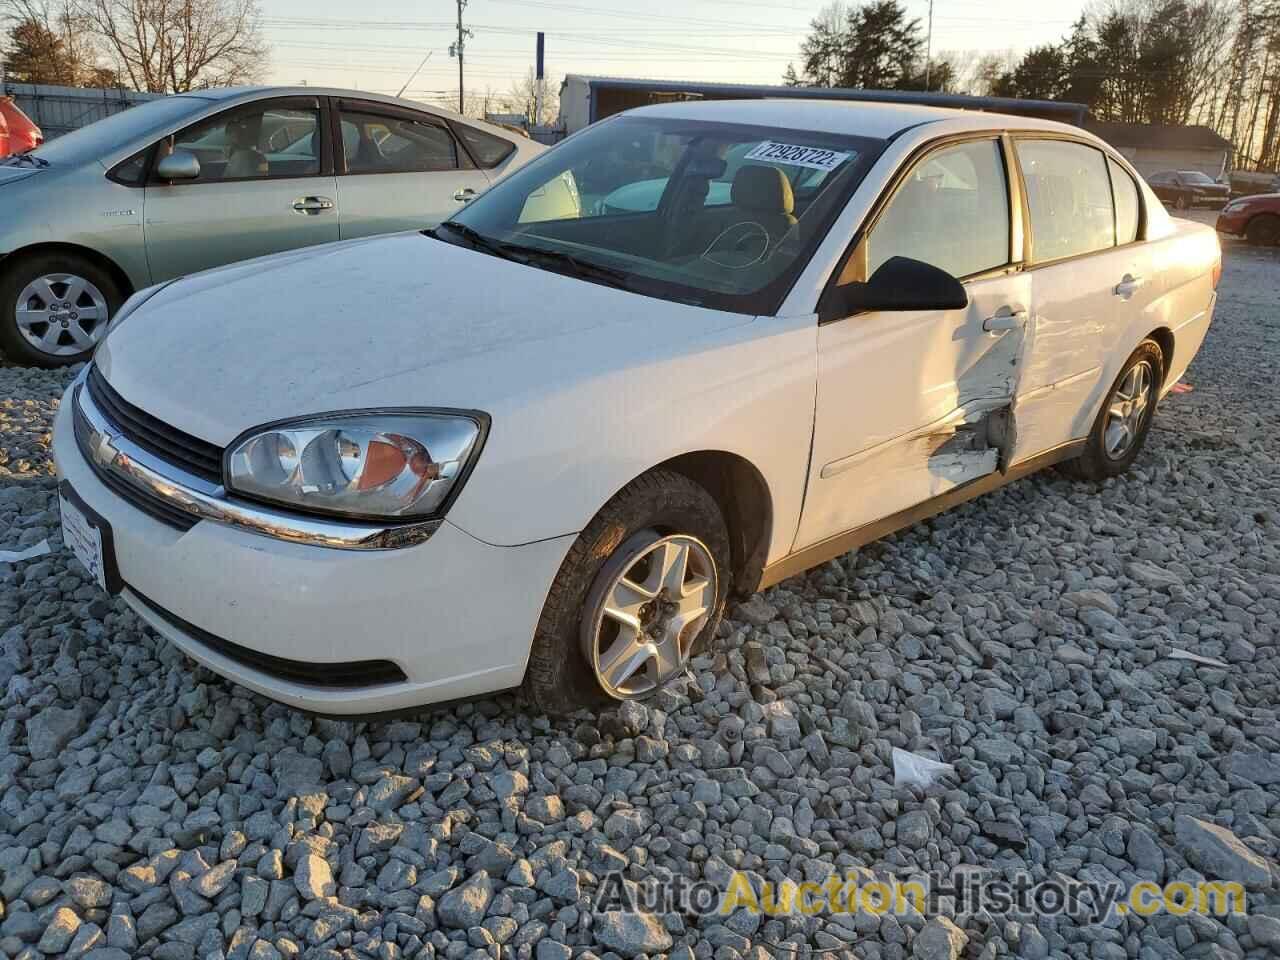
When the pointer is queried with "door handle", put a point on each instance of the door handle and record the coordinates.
(1127, 287)
(312, 205)
(1004, 322)
(465, 195)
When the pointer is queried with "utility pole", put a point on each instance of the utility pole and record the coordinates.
(928, 50)
(456, 49)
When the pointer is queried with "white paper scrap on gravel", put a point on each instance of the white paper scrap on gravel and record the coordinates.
(30, 553)
(1176, 654)
(915, 770)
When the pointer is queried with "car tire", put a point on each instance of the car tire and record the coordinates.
(1110, 450)
(33, 284)
(658, 512)
(1263, 230)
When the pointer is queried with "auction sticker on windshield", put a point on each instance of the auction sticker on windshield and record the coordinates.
(815, 158)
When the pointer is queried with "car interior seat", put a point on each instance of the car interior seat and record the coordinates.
(245, 160)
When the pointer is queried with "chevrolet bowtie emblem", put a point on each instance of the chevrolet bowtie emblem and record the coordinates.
(103, 447)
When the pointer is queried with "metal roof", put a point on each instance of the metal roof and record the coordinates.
(1158, 135)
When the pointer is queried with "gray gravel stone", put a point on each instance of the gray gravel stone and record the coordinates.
(1025, 638)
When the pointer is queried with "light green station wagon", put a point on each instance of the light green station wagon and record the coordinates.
(189, 182)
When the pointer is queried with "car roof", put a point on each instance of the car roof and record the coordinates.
(850, 117)
(256, 92)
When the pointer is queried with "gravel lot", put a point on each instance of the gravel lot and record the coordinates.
(148, 808)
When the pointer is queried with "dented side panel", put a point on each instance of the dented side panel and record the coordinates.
(911, 405)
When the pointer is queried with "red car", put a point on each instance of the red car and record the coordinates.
(1256, 218)
(17, 133)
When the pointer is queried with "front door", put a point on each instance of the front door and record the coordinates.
(264, 187)
(913, 404)
(400, 171)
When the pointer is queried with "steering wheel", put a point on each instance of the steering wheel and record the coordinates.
(739, 246)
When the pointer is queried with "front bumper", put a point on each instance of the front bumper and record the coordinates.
(455, 615)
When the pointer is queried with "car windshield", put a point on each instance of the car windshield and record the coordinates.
(110, 133)
(719, 214)
(1194, 176)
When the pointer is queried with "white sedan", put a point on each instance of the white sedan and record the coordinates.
(541, 445)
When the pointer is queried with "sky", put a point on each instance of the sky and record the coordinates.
(377, 45)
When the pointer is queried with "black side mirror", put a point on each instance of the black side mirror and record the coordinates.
(900, 283)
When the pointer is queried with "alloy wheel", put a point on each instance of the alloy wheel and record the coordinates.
(61, 314)
(646, 608)
(1126, 410)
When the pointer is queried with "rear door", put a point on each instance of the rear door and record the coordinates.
(1086, 289)
(399, 169)
(913, 404)
(265, 185)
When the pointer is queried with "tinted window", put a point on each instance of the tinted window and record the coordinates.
(1069, 193)
(374, 143)
(1126, 196)
(257, 143)
(1196, 177)
(132, 171)
(951, 211)
(488, 150)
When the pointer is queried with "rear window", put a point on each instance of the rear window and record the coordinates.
(488, 150)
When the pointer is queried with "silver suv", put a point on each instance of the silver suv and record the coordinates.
(194, 181)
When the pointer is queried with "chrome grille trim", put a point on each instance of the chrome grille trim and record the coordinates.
(121, 461)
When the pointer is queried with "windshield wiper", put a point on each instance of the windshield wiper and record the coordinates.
(475, 238)
(577, 267)
(520, 253)
(19, 158)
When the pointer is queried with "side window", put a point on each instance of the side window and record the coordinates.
(1127, 207)
(374, 143)
(255, 143)
(488, 150)
(951, 211)
(1069, 193)
(133, 171)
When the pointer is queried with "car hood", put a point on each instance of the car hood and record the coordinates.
(12, 174)
(399, 320)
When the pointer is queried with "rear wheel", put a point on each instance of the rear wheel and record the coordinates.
(1263, 230)
(640, 593)
(1121, 428)
(55, 309)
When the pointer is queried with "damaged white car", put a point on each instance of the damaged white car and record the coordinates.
(542, 444)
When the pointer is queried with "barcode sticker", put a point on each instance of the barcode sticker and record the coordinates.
(815, 158)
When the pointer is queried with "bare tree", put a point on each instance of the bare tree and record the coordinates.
(524, 95)
(49, 43)
(172, 46)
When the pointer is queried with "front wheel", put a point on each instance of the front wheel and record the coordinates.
(640, 593)
(1120, 431)
(54, 308)
(1263, 230)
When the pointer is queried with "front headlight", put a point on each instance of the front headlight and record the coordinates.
(404, 465)
(1235, 206)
